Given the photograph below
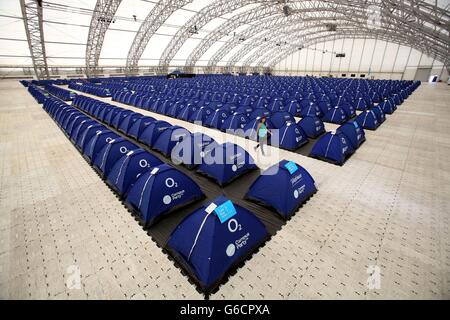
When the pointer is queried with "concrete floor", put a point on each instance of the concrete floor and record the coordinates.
(386, 210)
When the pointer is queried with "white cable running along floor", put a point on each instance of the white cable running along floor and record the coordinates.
(387, 209)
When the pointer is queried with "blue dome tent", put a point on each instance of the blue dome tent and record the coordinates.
(87, 134)
(332, 147)
(97, 142)
(161, 190)
(312, 126)
(291, 137)
(310, 110)
(76, 132)
(139, 125)
(128, 169)
(381, 117)
(335, 115)
(234, 122)
(368, 120)
(214, 238)
(175, 109)
(293, 107)
(216, 119)
(128, 122)
(169, 138)
(280, 118)
(200, 115)
(152, 132)
(259, 112)
(186, 112)
(75, 122)
(226, 162)
(110, 153)
(354, 132)
(294, 187)
(119, 117)
(192, 149)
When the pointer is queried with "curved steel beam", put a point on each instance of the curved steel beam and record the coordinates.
(154, 20)
(101, 19)
(361, 18)
(32, 19)
(246, 17)
(441, 42)
(212, 11)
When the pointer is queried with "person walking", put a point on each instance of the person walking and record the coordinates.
(262, 131)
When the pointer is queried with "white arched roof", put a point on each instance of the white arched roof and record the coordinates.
(140, 33)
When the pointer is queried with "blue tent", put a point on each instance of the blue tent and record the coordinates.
(129, 167)
(152, 132)
(214, 238)
(310, 110)
(139, 125)
(193, 149)
(85, 136)
(161, 190)
(216, 119)
(200, 115)
(68, 117)
(252, 125)
(387, 106)
(335, 115)
(74, 123)
(226, 162)
(175, 109)
(234, 122)
(97, 142)
(128, 121)
(293, 107)
(381, 117)
(312, 126)
(119, 117)
(110, 153)
(348, 109)
(259, 112)
(294, 186)
(291, 137)
(169, 138)
(186, 112)
(354, 132)
(368, 120)
(332, 147)
(280, 118)
(79, 129)
(361, 104)
(111, 113)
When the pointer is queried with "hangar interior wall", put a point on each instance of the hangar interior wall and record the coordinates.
(368, 57)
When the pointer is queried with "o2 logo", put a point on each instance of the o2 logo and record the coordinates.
(144, 163)
(170, 183)
(123, 149)
(233, 225)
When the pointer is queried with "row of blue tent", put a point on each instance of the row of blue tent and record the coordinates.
(61, 93)
(210, 240)
(202, 150)
(193, 149)
(37, 93)
(90, 88)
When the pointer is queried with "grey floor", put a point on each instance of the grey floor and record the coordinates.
(379, 227)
